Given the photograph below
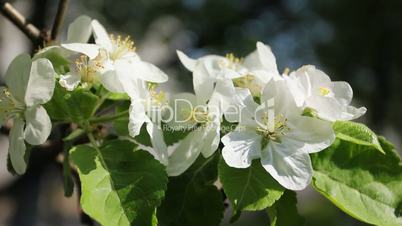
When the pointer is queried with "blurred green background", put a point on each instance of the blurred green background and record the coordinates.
(357, 41)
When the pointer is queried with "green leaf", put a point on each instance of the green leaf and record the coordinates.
(121, 125)
(356, 133)
(249, 189)
(57, 55)
(361, 181)
(77, 106)
(191, 198)
(284, 211)
(118, 96)
(173, 136)
(120, 186)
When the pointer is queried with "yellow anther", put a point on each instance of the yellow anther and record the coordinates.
(275, 131)
(121, 46)
(231, 62)
(286, 71)
(87, 68)
(324, 91)
(9, 106)
(248, 82)
(232, 58)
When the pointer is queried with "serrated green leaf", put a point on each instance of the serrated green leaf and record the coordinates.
(77, 105)
(284, 211)
(120, 186)
(191, 198)
(249, 189)
(81, 104)
(56, 107)
(361, 181)
(356, 133)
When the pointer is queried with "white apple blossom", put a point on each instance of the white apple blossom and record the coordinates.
(147, 105)
(314, 89)
(278, 134)
(217, 76)
(112, 60)
(29, 85)
(204, 120)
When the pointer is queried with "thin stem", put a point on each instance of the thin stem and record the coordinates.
(93, 140)
(32, 32)
(109, 118)
(58, 21)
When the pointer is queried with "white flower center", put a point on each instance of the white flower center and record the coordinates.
(231, 62)
(87, 68)
(121, 47)
(249, 82)
(9, 106)
(272, 130)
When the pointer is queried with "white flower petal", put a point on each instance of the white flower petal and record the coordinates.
(158, 144)
(291, 168)
(277, 96)
(326, 107)
(41, 82)
(70, 81)
(112, 81)
(313, 134)
(263, 62)
(17, 146)
(186, 61)
(299, 92)
(54, 52)
(136, 68)
(351, 113)
(317, 78)
(343, 92)
(101, 36)
(90, 50)
(267, 58)
(203, 84)
(17, 76)
(137, 118)
(79, 30)
(210, 140)
(241, 148)
(223, 95)
(185, 153)
(243, 108)
(38, 125)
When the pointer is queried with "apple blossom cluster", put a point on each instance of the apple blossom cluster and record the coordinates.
(279, 118)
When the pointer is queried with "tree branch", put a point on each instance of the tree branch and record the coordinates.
(58, 21)
(32, 32)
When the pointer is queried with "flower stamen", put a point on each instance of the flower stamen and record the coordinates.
(9, 106)
(249, 82)
(273, 132)
(231, 62)
(87, 68)
(121, 46)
